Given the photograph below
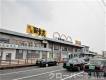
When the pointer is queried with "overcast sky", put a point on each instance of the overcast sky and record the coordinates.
(81, 19)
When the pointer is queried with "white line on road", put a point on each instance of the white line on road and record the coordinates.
(21, 71)
(24, 71)
(37, 74)
(72, 76)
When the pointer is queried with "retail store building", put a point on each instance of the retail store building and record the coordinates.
(14, 45)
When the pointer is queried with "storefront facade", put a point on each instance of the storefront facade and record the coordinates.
(14, 45)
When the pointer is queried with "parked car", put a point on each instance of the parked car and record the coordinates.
(46, 62)
(96, 65)
(74, 64)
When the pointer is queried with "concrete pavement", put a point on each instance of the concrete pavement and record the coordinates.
(47, 73)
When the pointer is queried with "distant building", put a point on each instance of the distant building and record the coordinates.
(104, 54)
(99, 56)
(86, 53)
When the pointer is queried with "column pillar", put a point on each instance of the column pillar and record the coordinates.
(24, 54)
(40, 55)
(13, 54)
(48, 55)
(3, 55)
(53, 50)
(60, 53)
(73, 52)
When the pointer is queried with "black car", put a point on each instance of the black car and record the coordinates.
(74, 64)
(96, 65)
(46, 62)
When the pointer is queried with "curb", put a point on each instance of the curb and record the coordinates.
(15, 66)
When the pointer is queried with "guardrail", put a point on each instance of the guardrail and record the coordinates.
(16, 63)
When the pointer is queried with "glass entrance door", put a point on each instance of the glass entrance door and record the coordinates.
(8, 56)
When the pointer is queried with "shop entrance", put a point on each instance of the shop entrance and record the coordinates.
(8, 56)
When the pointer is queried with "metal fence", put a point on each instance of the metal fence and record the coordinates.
(17, 62)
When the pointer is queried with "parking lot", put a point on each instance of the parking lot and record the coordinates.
(47, 73)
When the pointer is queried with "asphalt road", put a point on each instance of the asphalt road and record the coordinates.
(48, 73)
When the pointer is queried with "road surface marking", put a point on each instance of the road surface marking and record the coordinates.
(21, 71)
(37, 75)
(72, 76)
(24, 71)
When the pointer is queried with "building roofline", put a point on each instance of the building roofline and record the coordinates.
(85, 46)
(63, 42)
(37, 38)
(19, 34)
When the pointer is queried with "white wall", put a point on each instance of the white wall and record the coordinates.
(6, 51)
(40, 55)
(24, 54)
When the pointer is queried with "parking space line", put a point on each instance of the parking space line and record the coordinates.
(72, 75)
(37, 74)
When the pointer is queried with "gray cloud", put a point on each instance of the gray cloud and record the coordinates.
(82, 19)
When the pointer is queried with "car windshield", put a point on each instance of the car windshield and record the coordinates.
(104, 62)
(49, 59)
(98, 62)
(73, 61)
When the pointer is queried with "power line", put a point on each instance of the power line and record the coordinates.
(104, 2)
(100, 4)
(91, 9)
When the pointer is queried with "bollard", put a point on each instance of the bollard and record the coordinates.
(0, 61)
(25, 61)
(18, 61)
(31, 60)
(9, 62)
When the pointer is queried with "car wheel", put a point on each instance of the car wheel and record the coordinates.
(89, 73)
(56, 63)
(47, 65)
(78, 68)
(104, 74)
(82, 67)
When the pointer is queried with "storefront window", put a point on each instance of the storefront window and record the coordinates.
(8, 56)
(51, 46)
(51, 55)
(44, 55)
(33, 54)
(56, 47)
(4, 40)
(19, 54)
(64, 49)
(37, 54)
